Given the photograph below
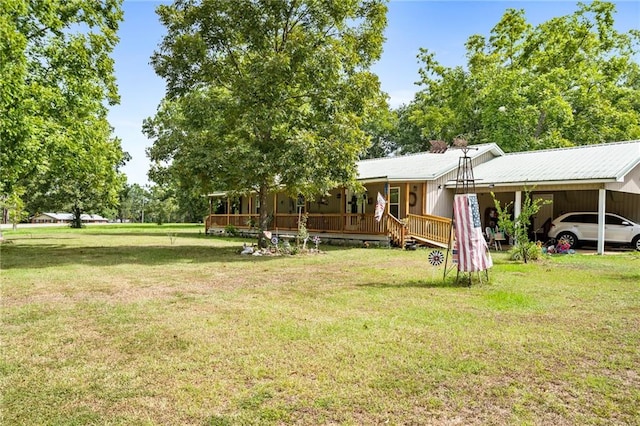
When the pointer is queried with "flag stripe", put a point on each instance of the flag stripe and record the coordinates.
(473, 252)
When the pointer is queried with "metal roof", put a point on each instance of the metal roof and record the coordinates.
(421, 166)
(608, 162)
(602, 162)
(59, 216)
(69, 216)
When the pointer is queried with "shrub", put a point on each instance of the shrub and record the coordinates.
(231, 230)
(518, 228)
(530, 249)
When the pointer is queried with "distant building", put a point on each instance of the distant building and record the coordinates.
(67, 218)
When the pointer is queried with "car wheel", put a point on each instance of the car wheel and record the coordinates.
(636, 242)
(569, 238)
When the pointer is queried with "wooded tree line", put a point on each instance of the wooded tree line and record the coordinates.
(278, 94)
(55, 87)
(572, 80)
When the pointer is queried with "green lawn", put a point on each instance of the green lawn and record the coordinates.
(160, 325)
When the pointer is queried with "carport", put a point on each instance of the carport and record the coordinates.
(602, 178)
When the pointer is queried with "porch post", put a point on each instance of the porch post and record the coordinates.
(601, 218)
(407, 188)
(343, 208)
(423, 208)
(206, 223)
(517, 205)
(386, 197)
(275, 211)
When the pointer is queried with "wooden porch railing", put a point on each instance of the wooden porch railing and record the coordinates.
(338, 223)
(431, 228)
(397, 230)
(240, 221)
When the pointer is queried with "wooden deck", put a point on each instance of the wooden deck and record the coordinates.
(430, 230)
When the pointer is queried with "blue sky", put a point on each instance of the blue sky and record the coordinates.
(440, 26)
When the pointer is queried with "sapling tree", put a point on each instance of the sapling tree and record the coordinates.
(518, 227)
(16, 207)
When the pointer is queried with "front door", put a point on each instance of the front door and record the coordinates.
(356, 203)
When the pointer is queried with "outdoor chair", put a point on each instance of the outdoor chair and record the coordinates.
(494, 238)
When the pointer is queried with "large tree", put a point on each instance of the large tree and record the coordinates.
(380, 127)
(571, 80)
(407, 135)
(266, 94)
(56, 83)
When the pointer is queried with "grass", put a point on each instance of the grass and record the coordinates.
(161, 325)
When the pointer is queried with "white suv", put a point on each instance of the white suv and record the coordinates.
(583, 226)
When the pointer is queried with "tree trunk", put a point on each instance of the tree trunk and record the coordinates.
(263, 222)
(76, 222)
(540, 125)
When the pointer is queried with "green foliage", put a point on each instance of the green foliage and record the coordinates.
(528, 251)
(380, 126)
(570, 80)
(231, 230)
(518, 228)
(394, 131)
(191, 205)
(57, 81)
(15, 206)
(134, 199)
(408, 135)
(265, 95)
(303, 234)
(162, 206)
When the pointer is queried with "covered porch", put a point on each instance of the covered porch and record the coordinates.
(340, 215)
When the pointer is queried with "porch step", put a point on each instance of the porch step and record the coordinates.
(410, 244)
(426, 241)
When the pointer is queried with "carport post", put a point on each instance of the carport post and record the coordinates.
(601, 209)
(517, 209)
(517, 205)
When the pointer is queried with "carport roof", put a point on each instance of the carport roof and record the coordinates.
(608, 162)
(421, 166)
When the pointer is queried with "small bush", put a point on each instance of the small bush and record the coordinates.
(532, 250)
(231, 230)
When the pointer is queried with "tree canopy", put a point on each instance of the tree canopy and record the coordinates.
(571, 80)
(265, 94)
(57, 80)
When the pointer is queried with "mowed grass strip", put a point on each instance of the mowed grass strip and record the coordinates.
(162, 325)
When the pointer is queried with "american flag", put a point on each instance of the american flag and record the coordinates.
(380, 205)
(473, 253)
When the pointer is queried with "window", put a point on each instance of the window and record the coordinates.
(581, 218)
(394, 202)
(301, 205)
(613, 220)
